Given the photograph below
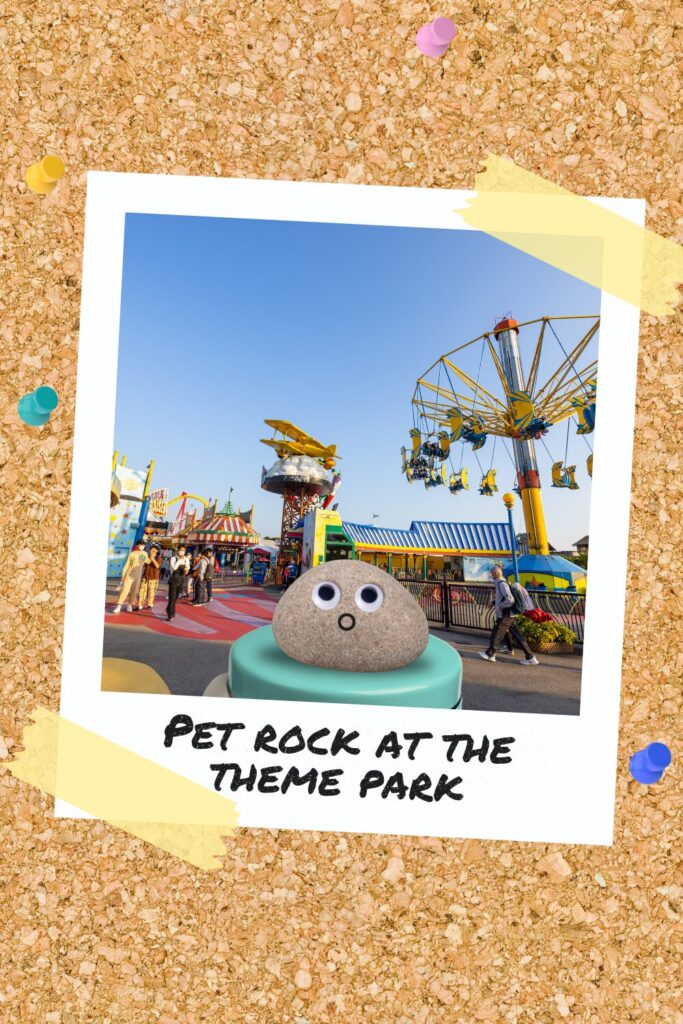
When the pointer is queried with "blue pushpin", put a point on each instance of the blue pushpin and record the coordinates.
(36, 408)
(648, 765)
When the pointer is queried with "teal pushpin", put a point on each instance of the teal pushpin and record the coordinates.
(36, 408)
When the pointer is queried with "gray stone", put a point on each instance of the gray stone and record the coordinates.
(350, 616)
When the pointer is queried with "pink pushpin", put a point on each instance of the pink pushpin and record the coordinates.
(434, 38)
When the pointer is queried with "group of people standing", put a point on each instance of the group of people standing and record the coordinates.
(139, 578)
(189, 578)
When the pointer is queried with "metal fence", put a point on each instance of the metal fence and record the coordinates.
(429, 594)
(470, 605)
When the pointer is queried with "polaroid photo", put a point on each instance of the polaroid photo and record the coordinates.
(349, 515)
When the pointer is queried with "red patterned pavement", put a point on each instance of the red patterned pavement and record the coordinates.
(231, 614)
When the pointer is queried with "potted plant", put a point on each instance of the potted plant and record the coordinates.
(546, 636)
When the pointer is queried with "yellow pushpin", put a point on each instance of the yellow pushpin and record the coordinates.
(43, 176)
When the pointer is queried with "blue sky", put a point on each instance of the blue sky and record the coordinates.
(225, 322)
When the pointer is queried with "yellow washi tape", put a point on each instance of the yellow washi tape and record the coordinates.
(127, 790)
(551, 223)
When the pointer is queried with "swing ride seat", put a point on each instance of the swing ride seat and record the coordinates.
(535, 430)
(586, 419)
(474, 432)
(488, 483)
(458, 481)
(560, 475)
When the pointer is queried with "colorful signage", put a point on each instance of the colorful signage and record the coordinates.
(158, 502)
(124, 519)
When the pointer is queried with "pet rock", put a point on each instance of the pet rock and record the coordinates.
(352, 617)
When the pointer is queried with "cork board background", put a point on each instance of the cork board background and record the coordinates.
(303, 928)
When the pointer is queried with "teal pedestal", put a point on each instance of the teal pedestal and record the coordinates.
(259, 669)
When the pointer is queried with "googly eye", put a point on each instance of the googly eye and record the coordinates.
(326, 596)
(369, 598)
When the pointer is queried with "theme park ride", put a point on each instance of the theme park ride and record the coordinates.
(183, 512)
(451, 406)
(301, 475)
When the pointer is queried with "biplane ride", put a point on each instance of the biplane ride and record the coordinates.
(295, 441)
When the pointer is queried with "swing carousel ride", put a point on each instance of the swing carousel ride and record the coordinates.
(452, 408)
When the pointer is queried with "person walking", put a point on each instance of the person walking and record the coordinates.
(521, 603)
(209, 574)
(522, 598)
(186, 588)
(291, 573)
(131, 577)
(179, 566)
(166, 566)
(199, 574)
(150, 578)
(503, 606)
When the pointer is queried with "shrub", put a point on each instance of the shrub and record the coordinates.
(547, 630)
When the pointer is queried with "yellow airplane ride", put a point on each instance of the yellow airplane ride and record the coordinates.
(295, 441)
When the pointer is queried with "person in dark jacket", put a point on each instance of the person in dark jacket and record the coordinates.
(208, 575)
(199, 575)
(291, 573)
(503, 607)
(180, 567)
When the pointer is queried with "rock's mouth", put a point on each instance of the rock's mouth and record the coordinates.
(346, 621)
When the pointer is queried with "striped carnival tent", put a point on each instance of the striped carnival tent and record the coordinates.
(219, 529)
(433, 538)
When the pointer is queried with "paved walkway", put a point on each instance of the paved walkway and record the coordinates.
(191, 651)
(551, 688)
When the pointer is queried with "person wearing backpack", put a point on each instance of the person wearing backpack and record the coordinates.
(199, 574)
(522, 603)
(504, 604)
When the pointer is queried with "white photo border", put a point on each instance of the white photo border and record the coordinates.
(559, 786)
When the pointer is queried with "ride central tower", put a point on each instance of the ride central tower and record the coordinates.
(528, 479)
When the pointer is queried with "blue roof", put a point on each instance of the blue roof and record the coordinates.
(553, 564)
(434, 535)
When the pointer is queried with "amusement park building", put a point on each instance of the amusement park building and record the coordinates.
(228, 532)
(462, 551)
(465, 551)
(430, 545)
